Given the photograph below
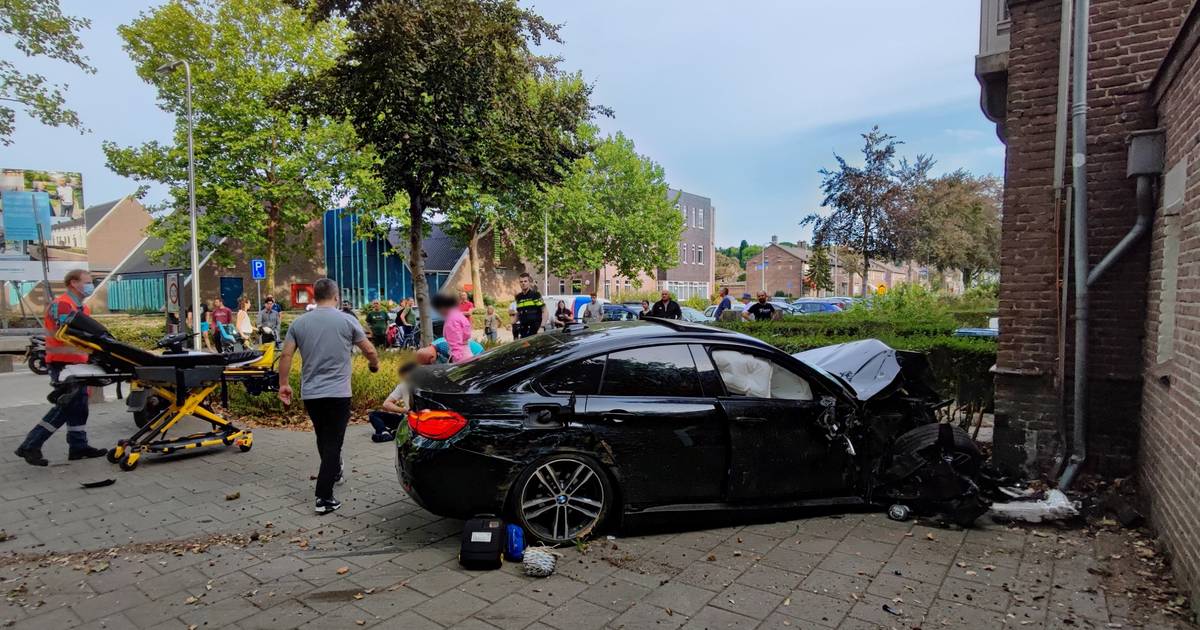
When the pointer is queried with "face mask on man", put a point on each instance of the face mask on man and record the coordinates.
(88, 289)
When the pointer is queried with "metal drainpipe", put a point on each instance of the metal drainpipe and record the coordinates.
(1145, 205)
(1079, 110)
(1062, 207)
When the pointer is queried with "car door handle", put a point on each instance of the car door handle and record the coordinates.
(617, 416)
(749, 419)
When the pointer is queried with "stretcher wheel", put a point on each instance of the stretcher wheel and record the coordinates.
(115, 454)
(245, 444)
(130, 462)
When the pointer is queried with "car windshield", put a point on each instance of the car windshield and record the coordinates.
(504, 359)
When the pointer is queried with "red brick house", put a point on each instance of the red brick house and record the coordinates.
(1142, 385)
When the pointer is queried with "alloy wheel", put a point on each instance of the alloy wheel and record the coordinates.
(563, 499)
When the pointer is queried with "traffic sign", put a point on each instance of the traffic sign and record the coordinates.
(258, 269)
(172, 293)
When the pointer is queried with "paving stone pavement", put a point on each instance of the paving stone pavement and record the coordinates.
(383, 562)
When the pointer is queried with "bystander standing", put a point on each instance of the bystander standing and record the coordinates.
(325, 337)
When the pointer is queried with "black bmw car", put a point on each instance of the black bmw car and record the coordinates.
(566, 432)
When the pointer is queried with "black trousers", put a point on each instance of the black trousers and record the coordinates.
(329, 417)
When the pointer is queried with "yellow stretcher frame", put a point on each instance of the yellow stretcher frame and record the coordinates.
(151, 438)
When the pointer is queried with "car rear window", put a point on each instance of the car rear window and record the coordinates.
(652, 371)
(499, 361)
(581, 378)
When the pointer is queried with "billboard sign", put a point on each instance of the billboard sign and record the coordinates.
(23, 213)
(65, 189)
(31, 270)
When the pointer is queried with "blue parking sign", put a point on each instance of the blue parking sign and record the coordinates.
(258, 269)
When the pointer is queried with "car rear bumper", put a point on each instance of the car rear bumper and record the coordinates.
(451, 481)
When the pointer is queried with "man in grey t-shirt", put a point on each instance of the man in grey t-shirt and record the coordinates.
(325, 337)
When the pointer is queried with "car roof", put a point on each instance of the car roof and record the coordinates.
(580, 340)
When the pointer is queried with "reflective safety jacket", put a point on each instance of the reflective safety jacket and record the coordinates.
(530, 306)
(57, 314)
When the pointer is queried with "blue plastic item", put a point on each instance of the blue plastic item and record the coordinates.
(514, 548)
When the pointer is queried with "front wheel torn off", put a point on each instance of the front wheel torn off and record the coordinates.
(933, 469)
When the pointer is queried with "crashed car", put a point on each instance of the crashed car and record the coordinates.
(568, 432)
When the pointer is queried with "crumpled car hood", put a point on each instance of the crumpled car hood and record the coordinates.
(869, 366)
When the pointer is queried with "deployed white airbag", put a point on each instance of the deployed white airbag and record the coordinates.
(748, 375)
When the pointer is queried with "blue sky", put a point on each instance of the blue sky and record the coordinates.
(741, 102)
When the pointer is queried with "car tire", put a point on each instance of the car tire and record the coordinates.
(537, 500)
(927, 435)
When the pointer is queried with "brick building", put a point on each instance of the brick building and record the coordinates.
(1142, 383)
(783, 271)
(693, 276)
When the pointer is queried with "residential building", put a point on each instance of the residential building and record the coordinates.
(1140, 380)
(70, 234)
(778, 269)
(786, 266)
(692, 276)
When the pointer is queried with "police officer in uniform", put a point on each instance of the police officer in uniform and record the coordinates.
(72, 409)
(530, 308)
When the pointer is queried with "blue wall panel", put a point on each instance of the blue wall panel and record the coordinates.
(367, 269)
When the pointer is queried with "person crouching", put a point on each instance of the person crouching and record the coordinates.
(385, 421)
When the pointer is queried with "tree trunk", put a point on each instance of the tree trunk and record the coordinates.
(596, 283)
(966, 276)
(476, 268)
(416, 263)
(272, 247)
(866, 268)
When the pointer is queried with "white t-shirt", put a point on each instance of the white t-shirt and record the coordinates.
(399, 395)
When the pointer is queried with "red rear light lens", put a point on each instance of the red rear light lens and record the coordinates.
(436, 424)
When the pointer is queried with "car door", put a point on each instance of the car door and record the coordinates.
(778, 450)
(662, 429)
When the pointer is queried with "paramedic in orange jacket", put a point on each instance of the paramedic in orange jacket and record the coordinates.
(73, 410)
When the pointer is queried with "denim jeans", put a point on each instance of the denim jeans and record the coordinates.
(383, 421)
(71, 411)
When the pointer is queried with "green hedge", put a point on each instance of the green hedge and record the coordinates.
(961, 365)
(369, 391)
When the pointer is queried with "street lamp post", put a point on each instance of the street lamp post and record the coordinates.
(187, 72)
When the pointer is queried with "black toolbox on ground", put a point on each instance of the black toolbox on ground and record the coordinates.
(482, 543)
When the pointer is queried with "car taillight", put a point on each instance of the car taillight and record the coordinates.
(436, 424)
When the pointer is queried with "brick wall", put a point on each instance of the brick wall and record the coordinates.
(1129, 39)
(784, 272)
(1170, 421)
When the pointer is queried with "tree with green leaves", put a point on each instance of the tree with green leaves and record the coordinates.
(449, 92)
(872, 203)
(611, 209)
(819, 274)
(957, 224)
(470, 215)
(726, 267)
(38, 28)
(265, 171)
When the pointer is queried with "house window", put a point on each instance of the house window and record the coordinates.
(683, 210)
(699, 255)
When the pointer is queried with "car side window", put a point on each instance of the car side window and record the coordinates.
(581, 378)
(752, 376)
(651, 371)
